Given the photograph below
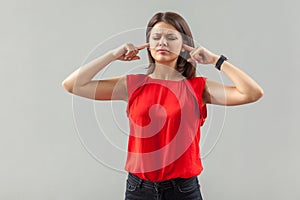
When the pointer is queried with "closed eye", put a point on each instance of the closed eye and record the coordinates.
(169, 38)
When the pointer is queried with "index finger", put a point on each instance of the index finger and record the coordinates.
(143, 46)
(187, 47)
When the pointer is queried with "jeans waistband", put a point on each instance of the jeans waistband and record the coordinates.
(156, 185)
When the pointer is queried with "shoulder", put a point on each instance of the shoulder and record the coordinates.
(200, 86)
(198, 80)
(135, 78)
(134, 81)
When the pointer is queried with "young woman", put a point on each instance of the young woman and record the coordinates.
(166, 106)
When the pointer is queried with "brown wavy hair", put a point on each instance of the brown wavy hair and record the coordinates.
(187, 69)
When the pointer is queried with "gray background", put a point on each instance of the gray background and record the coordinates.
(42, 42)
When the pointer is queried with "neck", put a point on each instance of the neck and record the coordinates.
(166, 72)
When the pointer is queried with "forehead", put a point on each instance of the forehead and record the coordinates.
(165, 28)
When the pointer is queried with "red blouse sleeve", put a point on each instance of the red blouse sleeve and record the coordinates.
(203, 107)
(199, 86)
(134, 83)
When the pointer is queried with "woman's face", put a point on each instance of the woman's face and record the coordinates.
(165, 43)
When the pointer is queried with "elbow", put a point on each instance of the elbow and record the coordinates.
(260, 93)
(67, 86)
(256, 95)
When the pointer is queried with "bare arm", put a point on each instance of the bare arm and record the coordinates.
(245, 89)
(80, 81)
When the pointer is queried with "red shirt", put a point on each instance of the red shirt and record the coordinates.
(165, 117)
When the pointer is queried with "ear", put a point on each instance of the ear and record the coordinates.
(182, 49)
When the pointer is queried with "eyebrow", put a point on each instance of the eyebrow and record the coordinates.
(160, 34)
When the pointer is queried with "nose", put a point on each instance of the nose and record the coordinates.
(162, 41)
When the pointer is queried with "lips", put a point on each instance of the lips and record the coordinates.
(162, 50)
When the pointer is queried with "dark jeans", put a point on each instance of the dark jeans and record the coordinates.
(174, 189)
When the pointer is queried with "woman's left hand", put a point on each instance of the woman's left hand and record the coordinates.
(201, 55)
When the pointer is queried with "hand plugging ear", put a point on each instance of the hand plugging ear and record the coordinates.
(200, 55)
(128, 52)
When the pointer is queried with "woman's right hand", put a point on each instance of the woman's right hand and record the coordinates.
(128, 52)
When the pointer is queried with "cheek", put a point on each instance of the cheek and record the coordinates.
(176, 46)
(152, 43)
(152, 53)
